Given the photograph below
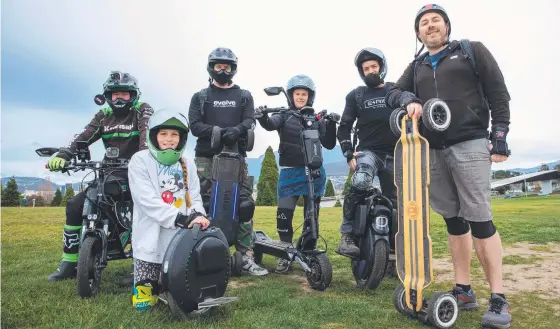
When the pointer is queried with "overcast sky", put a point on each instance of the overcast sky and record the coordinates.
(56, 55)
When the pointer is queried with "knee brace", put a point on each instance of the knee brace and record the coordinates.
(457, 226)
(483, 230)
(246, 211)
(362, 179)
(284, 217)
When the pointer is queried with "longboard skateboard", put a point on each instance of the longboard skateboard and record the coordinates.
(413, 243)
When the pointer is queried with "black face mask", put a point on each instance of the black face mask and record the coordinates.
(373, 80)
(222, 77)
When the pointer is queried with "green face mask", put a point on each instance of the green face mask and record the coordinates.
(169, 120)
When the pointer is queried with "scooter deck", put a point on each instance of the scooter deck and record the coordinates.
(264, 244)
(413, 243)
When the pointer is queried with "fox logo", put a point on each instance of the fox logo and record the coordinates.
(71, 240)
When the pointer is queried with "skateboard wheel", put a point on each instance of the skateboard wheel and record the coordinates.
(216, 137)
(436, 115)
(395, 121)
(399, 301)
(443, 310)
(321, 272)
(236, 263)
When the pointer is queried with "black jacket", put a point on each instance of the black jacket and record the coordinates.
(374, 132)
(455, 82)
(224, 107)
(127, 133)
(289, 128)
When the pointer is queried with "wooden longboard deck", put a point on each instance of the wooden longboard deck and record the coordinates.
(413, 243)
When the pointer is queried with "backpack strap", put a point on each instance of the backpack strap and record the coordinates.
(468, 52)
(417, 61)
(360, 98)
(244, 97)
(203, 98)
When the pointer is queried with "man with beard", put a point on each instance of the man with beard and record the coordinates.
(466, 76)
(374, 153)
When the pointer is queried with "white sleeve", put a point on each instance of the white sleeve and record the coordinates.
(194, 186)
(146, 197)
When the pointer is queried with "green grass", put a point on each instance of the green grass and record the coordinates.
(31, 249)
(518, 260)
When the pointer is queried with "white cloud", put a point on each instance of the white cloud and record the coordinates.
(165, 45)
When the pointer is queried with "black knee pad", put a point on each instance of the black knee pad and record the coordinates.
(284, 217)
(483, 230)
(246, 211)
(457, 226)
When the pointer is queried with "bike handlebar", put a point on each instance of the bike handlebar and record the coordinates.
(95, 165)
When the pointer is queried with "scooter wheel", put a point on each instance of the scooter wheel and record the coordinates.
(436, 115)
(399, 301)
(236, 263)
(321, 272)
(89, 270)
(395, 120)
(443, 310)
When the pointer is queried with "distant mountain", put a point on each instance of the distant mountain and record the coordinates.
(551, 165)
(32, 184)
(335, 165)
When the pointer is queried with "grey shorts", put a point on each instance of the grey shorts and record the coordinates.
(460, 181)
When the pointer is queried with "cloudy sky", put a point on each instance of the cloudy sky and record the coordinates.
(56, 55)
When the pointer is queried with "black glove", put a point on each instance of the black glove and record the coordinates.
(259, 112)
(347, 150)
(498, 140)
(333, 117)
(230, 135)
(183, 221)
(408, 97)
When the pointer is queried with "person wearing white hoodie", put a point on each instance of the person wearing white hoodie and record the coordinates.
(166, 193)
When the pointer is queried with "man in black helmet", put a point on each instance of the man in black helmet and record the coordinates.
(373, 155)
(225, 105)
(122, 125)
(466, 76)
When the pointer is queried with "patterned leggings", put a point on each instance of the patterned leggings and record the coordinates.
(146, 271)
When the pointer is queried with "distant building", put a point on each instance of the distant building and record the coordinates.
(45, 189)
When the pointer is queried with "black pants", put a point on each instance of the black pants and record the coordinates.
(285, 215)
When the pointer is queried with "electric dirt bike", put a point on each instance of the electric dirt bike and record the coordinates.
(107, 214)
(314, 262)
(225, 207)
(374, 220)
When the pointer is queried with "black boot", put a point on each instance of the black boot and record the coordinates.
(66, 270)
(71, 245)
(347, 246)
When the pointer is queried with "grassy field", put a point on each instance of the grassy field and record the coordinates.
(31, 248)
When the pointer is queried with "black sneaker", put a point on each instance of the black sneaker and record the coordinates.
(66, 270)
(497, 315)
(465, 300)
(347, 247)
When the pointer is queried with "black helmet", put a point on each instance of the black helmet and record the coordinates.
(222, 56)
(368, 54)
(119, 81)
(428, 9)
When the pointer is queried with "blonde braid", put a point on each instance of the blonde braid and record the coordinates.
(186, 182)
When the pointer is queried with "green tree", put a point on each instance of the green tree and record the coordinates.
(268, 180)
(544, 167)
(300, 201)
(557, 167)
(39, 201)
(10, 195)
(57, 200)
(67, 196)
(523, 187)
(347, 183)
(329, 191)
